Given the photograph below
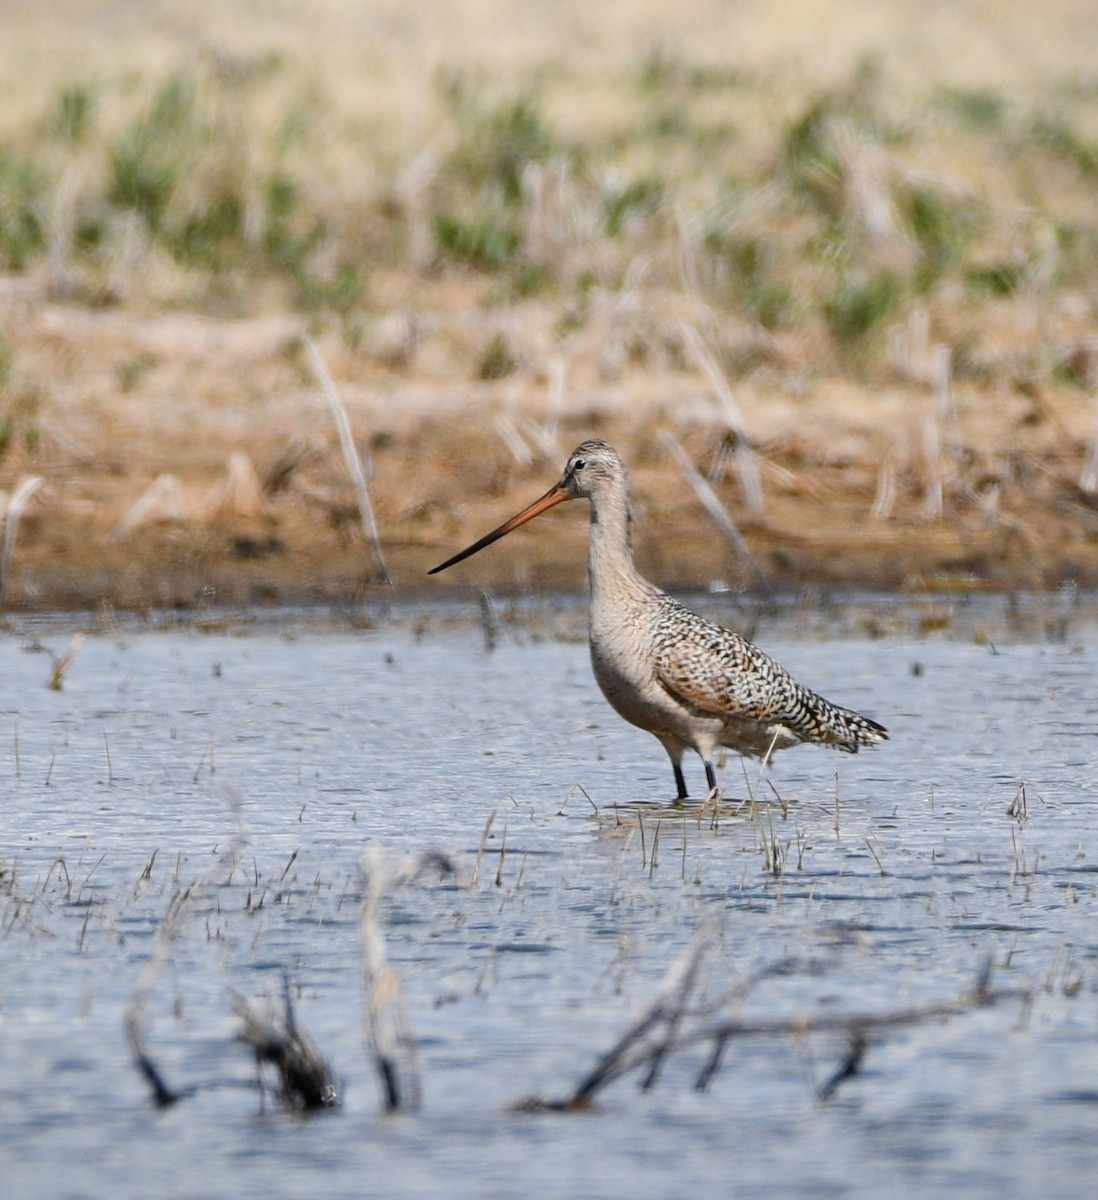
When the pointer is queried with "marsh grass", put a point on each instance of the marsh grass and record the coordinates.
(836, 217)
(190, 172)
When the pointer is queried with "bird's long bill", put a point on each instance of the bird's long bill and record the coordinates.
(552, 497)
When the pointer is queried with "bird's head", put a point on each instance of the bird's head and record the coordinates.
(592, 467)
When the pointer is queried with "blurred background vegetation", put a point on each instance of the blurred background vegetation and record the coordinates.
(901, 193)
(799, 199)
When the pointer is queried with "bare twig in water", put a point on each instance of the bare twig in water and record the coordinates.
(850, 1065)
(351, 457)
(672, 1024)
(387, 1024)
(648, 1040)
(134, 1019)
(305, 1082)
(62, 662)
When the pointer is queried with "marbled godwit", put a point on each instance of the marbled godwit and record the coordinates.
(663, 668)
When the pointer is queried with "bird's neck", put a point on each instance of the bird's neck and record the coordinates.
(610, 549)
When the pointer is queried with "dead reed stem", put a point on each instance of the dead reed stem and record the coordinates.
(62, 662)
(512, 439)
(1088, 480)
(933, 498)
(134, 1018)
(480, 848)
(716, 509)
(160, 501)
(745, 463)
(11, 512)
(489, 620)
(502, 858)
(351, 458)
(556, 398)
(885, 499)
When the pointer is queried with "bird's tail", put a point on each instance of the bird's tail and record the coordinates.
(848, 730)
(820, 721)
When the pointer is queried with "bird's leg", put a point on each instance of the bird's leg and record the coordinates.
(710, 776)
(674, 753)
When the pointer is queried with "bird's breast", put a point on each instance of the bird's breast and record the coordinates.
(623, 659)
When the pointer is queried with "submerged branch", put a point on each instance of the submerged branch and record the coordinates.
(677, 1028)
(306, 1083)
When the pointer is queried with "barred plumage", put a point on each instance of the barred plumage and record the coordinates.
(692, 684)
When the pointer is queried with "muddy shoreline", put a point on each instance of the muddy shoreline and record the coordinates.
(214, 474)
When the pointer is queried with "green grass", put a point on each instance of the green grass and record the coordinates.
(20, 401)
(860, 306)
(707, 176)
(23, 189)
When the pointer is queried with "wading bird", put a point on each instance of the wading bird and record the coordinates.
(690, 683)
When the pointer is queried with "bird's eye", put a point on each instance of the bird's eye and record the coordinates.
(579, 464)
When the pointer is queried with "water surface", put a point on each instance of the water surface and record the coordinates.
(263, 763)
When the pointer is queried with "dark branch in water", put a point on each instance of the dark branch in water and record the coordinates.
(305, 1082)
(671, 1026)
(163, 1095)
(850, 1065)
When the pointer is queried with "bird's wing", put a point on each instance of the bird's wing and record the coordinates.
(716, 672)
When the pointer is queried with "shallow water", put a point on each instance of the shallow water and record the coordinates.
(262, 763)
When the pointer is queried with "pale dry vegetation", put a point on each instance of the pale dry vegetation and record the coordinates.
(881, 238)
